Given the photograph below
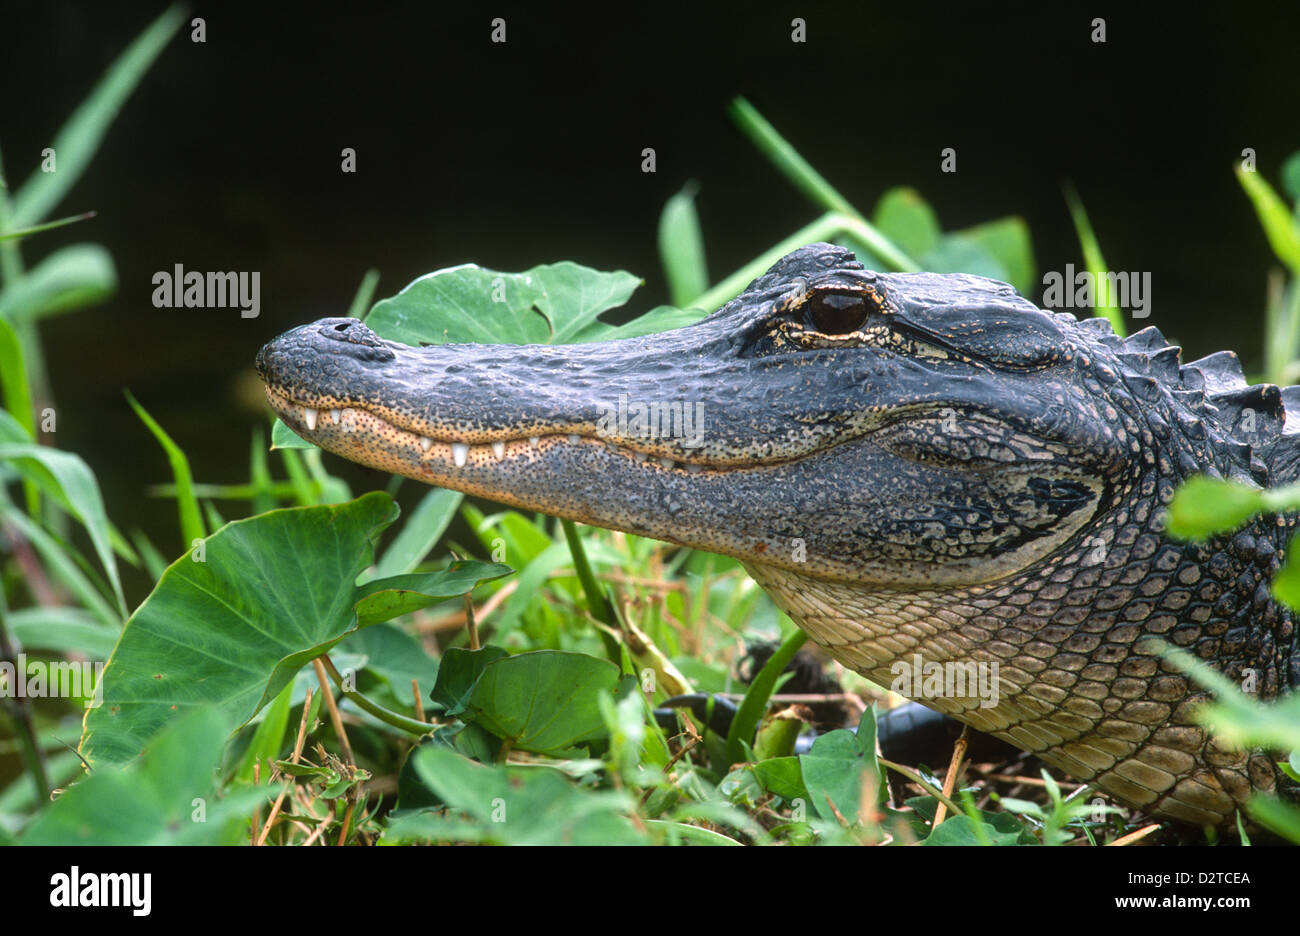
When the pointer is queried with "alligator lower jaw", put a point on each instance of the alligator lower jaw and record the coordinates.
(366, 437)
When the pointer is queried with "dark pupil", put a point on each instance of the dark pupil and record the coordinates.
(837, 315)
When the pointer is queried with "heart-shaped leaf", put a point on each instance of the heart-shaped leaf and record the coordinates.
(231, 624)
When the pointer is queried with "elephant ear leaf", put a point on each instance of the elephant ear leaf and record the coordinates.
(229, 624)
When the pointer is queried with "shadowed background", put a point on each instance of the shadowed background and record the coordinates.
(228, 158)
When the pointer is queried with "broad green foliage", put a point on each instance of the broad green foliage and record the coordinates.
(166, 797)
(511, 806)
(837, 769)
(229, 627)
(545, 701)
(1000, 249)
(552, 304)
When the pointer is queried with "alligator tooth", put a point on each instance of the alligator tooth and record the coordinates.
(534, 441)
(309, 417)
(640, 456)
(426, 443)
(666, 462)
(573, 437)
(336, 415)
(499, 450)
(459, 453)
(694, 469)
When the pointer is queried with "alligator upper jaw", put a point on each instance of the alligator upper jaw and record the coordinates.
(799, 463)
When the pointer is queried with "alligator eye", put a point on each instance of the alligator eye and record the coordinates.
(837, 313)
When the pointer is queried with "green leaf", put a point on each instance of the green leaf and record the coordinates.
(76, 143)
(420, 533)
(384, 599)
(688, 834)
(533, 576)
(908, 220)
(760, 690)
(69, 480)
(1286, 581)
(956, 253)
(832, 773)
(164, 798)
(282, 437)
(681, 247)
(1008, 242)
(1203, 507)
(782, 776)
(70, 278)
(13, 383)
(553, 304)
(269, 594)
(186, 503)
(1291, 176)
(1238, 718)
(546, 701)
(269, 736)
(1279, 226)
(1272, 813)
(22, 233)
(511, 806)
(458, 674)
(62, 630)
(395, 657)
(963, 830)
(63, 567)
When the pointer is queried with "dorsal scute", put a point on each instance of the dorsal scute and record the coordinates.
(1256, 428)
(1148, 339)
(1215, 373)
(1253, 414)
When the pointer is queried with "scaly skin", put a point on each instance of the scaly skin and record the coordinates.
(910, 464)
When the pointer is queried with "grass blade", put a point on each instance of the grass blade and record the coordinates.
(186, 503)
(47, 226)
(1279, 227)
(811, 182)
(79, 138)
(754, 704)
(1094, 261)
(365, 295)
(681, 247)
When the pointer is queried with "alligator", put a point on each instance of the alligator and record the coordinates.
(918, 468)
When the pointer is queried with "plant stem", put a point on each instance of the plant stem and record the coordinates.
(28, 742)
(916, 778)
(600, 609)
(396, 719)
(336, 719)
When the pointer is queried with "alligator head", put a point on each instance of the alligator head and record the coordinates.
(919, 468)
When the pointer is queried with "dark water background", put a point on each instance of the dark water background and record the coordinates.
(227, 158)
